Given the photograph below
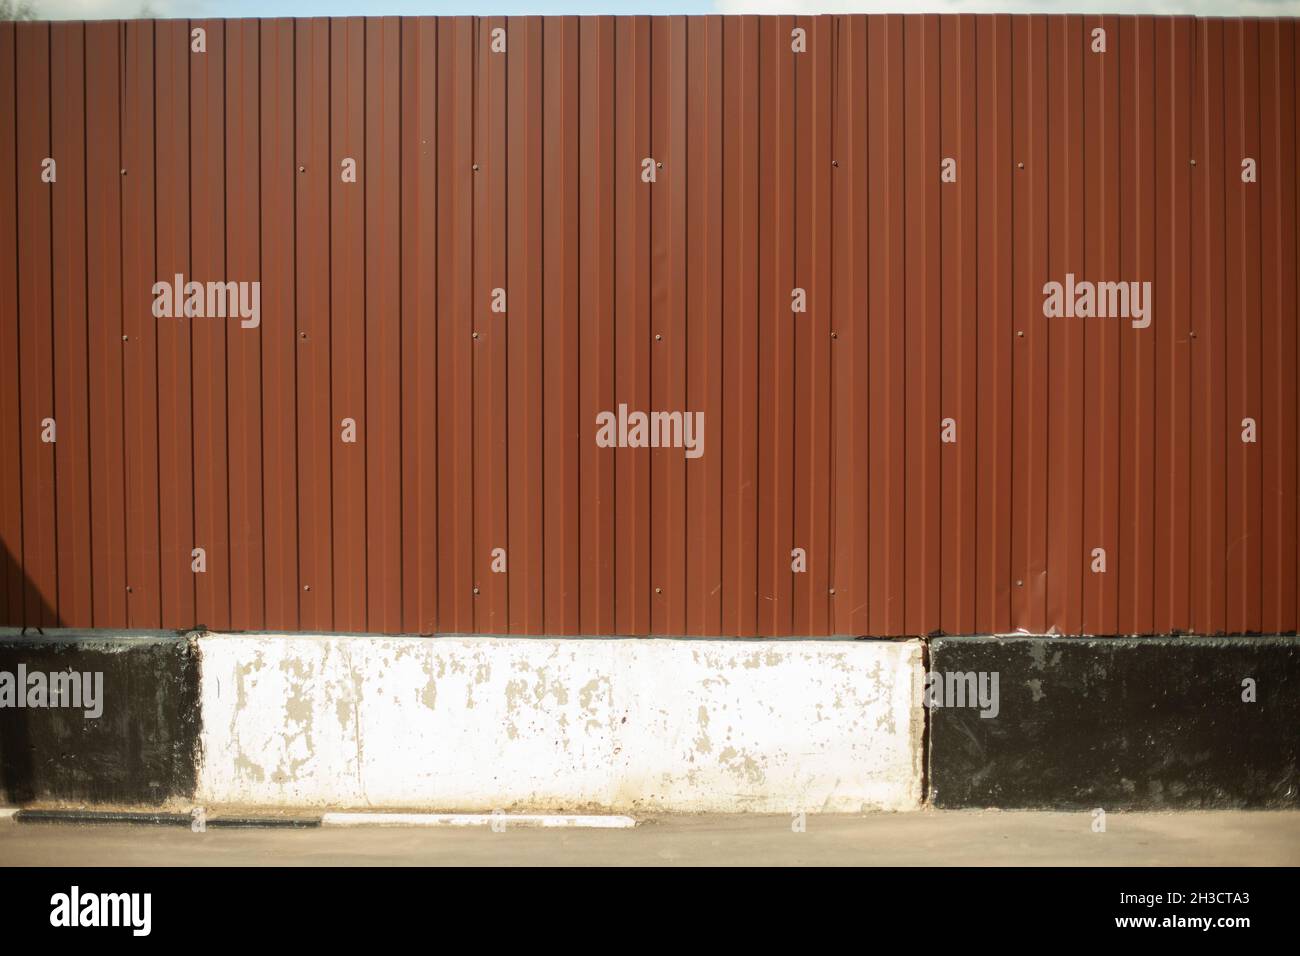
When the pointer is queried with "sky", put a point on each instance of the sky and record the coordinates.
(112, 9)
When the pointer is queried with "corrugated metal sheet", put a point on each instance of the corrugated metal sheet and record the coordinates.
(774, 170)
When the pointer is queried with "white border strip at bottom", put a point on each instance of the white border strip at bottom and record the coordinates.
(362, 819)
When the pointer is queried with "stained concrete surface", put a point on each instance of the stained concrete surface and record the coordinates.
(140, 750)
(656, 725)
(1161, 723)
(933, 838)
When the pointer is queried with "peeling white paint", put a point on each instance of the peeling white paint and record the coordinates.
(488, 723)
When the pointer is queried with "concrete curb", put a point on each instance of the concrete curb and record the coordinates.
(161, 819)
(495, 820)
(101, 817)
(344, 819)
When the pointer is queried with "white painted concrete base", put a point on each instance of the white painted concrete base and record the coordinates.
(589, 821)
(543, 724)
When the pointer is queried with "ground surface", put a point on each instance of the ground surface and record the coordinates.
(966, 838)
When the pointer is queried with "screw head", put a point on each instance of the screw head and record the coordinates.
(475, 167)
(302, 169)
(658, 337)
(125, 337)
(1020, 334)
(1020, 584)
(474, 335)
(659, 590)
(835, 335)
(1020, 165)
(128, 589)
(306, 587)
(1193, 162)
(831, 591)
(1192, 334)
(476, 589)
(121, 172)
(302, 335)
(835, 163)
(659, 165)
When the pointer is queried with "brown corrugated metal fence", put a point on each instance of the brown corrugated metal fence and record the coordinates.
(500, 272)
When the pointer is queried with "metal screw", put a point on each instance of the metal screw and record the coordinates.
(1192, 334)
(659, 590)
(476, 589)
(122, 172)
(1193, 162)
(835, 335)
(832, 591)
(835, 162)
(658, 337)
(302, 169)
(128, 589)
(659, 165)
(1020, 584)
(302, 335)
(1020, 165)
(1020, 334)
(125, 337)
(476, 167)
(306, 587)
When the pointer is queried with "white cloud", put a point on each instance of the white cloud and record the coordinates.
(119, 9)
(98, 9)
(1205, 8)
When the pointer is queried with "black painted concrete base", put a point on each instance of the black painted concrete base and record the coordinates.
(1122, 723)
(142, 750)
